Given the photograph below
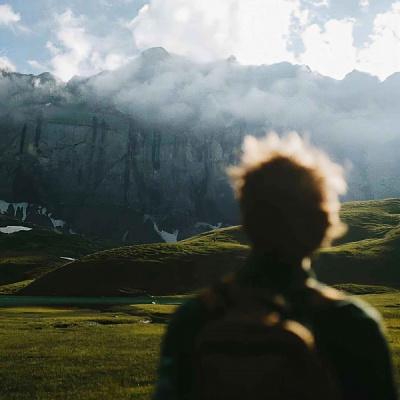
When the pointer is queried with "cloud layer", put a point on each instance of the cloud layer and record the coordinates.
(327, 37)
(353, 119)
(176, 93)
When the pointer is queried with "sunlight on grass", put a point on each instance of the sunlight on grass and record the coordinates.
(34, 310)
(85, 354)
(14, 287)
(50, 353)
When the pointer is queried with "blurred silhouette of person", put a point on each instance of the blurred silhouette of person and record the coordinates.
(288, 192)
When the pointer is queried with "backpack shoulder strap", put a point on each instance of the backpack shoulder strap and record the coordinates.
(304, 300)
(216, 298)
(226, 293)
(322, 296)
(312, 298)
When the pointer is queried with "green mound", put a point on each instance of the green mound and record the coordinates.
(368, 255)
(13, 288)
(352, 288)
(367, 262)
(369, 219)
(29, 254)
(159, 269)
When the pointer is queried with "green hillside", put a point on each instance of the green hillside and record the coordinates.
(369, 261)
(27, 255)
(369, 219)
(369, 254)
(155, 268)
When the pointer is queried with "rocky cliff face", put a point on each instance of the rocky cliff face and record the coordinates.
(106, 174)
(138, 155)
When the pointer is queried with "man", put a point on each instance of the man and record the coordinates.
(288, 195)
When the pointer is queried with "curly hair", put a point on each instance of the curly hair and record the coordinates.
(288, 193)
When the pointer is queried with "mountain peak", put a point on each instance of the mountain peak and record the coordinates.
(356, 74)
(48, 77)
(155, 54)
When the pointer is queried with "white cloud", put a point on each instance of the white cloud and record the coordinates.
(205, 97)
(10, 19)
(322, 3)
(53, 49)
(328, 36)
(330, 51)
(6, 64)
(74, 46)
(254, 31)
(76, 51)
(267, 31)
(7, 16)
(381, 55)
(36, 65)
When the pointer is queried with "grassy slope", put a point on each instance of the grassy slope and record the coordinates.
(54, 353)
(156, 268)
(370, 219)
(369, 254)
(352, 288)
(29, 254)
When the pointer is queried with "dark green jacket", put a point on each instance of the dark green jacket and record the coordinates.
(348, 335)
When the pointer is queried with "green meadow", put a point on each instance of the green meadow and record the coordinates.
(111, 352)
(56, 353)
(71, 353)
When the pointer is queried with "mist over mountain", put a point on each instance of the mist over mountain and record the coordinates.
(144, 148)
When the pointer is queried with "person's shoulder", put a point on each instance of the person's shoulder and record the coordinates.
(208, 299)
(347, 306)
(193, 309)
(190, 308)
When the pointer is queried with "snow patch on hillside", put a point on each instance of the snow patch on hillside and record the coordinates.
(166, 236)
(4, 206)
(14, 229)
(207, 225)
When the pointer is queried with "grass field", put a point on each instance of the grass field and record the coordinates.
(58, 353)
(55, 353)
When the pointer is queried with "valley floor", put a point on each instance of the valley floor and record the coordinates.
(71, 353)
(60, 353)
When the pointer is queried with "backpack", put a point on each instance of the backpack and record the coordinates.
(251, 348)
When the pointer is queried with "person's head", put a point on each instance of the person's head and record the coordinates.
(288, 194)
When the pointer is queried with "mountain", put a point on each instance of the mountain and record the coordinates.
(369, 255)
(138, 155)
